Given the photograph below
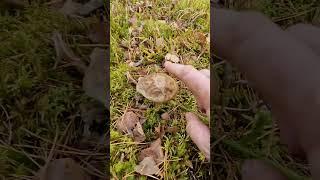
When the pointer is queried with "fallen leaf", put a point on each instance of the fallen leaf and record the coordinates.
(96, 75)
(136, 64)
(158, 87)
(70, 7)
(171, 57)
(138, 134)
(128, 122)
(165, 116)
(147, 167)
(202, 39)
(154, 151)
(125, 44)
(89, 7)
(159, 130)
(63, 169)
(160, 43)
(172, 129)
(63, 52)
(175, 25)
(130, 78)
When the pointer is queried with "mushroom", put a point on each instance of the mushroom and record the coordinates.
(158, 87)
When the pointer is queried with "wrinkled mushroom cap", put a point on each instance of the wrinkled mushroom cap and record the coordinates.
(158, 87)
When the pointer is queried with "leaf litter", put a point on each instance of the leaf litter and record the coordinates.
(130, 124)
(150, 159)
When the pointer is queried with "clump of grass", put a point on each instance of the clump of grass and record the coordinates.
(158, 22)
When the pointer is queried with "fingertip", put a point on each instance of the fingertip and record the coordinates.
(166, 64)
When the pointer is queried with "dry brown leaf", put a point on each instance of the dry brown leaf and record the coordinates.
(160, 43)
(165, 116)
(158, 87)
(171, 57)
(154, 151)
(128, 122)
(138, 134)
(95, 81)
(147, 167)
(159, 130)
(202, 39)
(136, 64)
(130, 78)
(64, 52)
(173, 129)
(124, 44)
(63, 169)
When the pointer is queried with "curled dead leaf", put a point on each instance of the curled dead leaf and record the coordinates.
(138, 134)
(158, 87)
(165, 116)
(64, 52)
(171, 57)
(147, 167)
(155, 151)
(136, 64)
(128, 122)
(202, 39)
(130, 78)
(173, 129)
(160, 43)
(159, 130)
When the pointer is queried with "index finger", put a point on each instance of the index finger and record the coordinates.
(196, 81)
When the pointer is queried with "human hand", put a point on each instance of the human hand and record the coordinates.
(284, 67)
(199, 84)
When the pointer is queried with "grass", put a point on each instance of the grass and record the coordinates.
(243, 128)
(39, 105)
(179, 25)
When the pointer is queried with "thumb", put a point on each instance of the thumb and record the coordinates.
(199, 133)
(256, 169)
